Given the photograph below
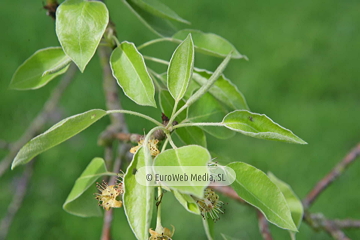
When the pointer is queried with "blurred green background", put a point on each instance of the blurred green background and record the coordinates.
(303, 73)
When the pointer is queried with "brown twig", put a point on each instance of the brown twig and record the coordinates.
(17, 200)
(264, 226)
(117, 126)
(40, 120)
(347, 223)
(317, 221)
(229, 192)
(330, 177)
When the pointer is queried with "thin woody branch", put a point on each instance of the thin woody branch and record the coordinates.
(318, 222)
(20, 192)
(264, 226)
(229, 192)
(330, 177)
(41, 119)
(117, 127)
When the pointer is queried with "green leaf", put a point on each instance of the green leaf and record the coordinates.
(259, 126)
(129, 69)
(167, 104)
(80, 26)
(209, 228)
(257, 189)
(80, 201)
(187, 202)
(180, 69)
(158, 25)
(208, 109)
(191, 155)
(294, 203)
(138, 199)
(30, 74)
(192, 135)
(159, 9)
(223, 90)
(209, 43)
(193, 86)
(57, 134)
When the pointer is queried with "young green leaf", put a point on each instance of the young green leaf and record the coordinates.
(180, 69)
(187, 202)
(138, 199)
(159, 9)
(192, 135)
(80, 26)
(30, 74)
(191, 155)
(57, 134)
(158, 25)
(259, 126)
(129, 69)
(257, 189)
(80, 201)
(208, 224)
(208, 109)
(205, 88)
(223, 90)
(167, 104)
(294, 203)
(210, 44)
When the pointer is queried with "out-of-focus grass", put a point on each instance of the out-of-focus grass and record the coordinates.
(303, 73)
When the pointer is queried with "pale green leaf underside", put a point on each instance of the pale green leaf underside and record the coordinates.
(80, 201)
(259, 126)
(223, 90)
(294, 203)
(187, 202)
(192, 135)
(191, 155)
(208, 109)
(167, 103)
(129, 69)
(138, 199)
(158, 25)
(57, 134)
(189, 135)
(180, 69)
(29, 75)
(80, 26)
(159, 9)
(257, 189)
(210, 43)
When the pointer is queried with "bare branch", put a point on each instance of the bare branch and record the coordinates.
(347, 223)
(330, 177)
(264, 226)
(40, 120)
(317, 221)
(229, 192)
(116, 129)
(20, 191)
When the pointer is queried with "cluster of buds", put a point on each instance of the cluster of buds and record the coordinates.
(152, 145)
(210, 205)
(109, 194)
(164, 234)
